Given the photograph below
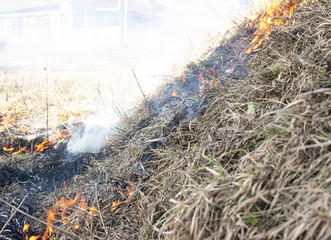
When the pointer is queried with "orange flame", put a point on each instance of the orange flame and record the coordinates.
(59, 208)
(113, 206)
(176, 94)
(26, 228)
(62, 134)
(50, 220)
(9, 118)
(9, 149)
(213, 70)
(34, 237)
(19, 151)
(56, 137)
(82, 203)
(129, 190)
(41, 147)
(56, 145)
(276, 12)
(77, 226)
(93, 210)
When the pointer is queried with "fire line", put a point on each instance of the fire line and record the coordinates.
(276, 13)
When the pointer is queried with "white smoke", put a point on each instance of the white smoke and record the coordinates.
(95, 56)
(93, 135)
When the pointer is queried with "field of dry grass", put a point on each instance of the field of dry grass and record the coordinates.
(24, 94)
(246, 156)
(76, 93)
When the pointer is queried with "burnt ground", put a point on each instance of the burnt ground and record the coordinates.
(43, 173)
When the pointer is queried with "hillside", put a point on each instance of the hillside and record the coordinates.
(237, 147)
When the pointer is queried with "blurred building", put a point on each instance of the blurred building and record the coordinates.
(58, 19)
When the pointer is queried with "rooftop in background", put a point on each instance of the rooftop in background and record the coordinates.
(145, 7)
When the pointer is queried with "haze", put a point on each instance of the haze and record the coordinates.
(98, 43)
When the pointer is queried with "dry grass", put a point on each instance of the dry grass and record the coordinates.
(77, 93)
(254, 163)
(258, 164)
(24, 94)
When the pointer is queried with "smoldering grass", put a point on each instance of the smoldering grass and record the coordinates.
(232, 172)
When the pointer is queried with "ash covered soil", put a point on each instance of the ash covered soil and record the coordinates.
(237, 147)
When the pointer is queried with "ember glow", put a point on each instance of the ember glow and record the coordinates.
(176, 94)
(114, 205)
(276, 13)
(93, 210)
(129, 191)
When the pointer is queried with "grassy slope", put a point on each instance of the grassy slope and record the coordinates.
(254, 162)
(257, 163)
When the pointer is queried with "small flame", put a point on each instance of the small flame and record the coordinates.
(176, 94)
(41, 147)
(8, 149)
(63, 134)
(275, 13)
(10, 118)
(129, 190)
(59, 208)
(76, 227)
(34, 237)
(113, 206)
(93, 210)
(50, 219)
(19, 151)
(55, 137)
(7, 120)
(26, 228)
(56, 145)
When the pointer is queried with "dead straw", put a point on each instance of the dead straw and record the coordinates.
(145, 99)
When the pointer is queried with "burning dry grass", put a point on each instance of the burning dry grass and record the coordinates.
(257, 164)
(253, 163)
